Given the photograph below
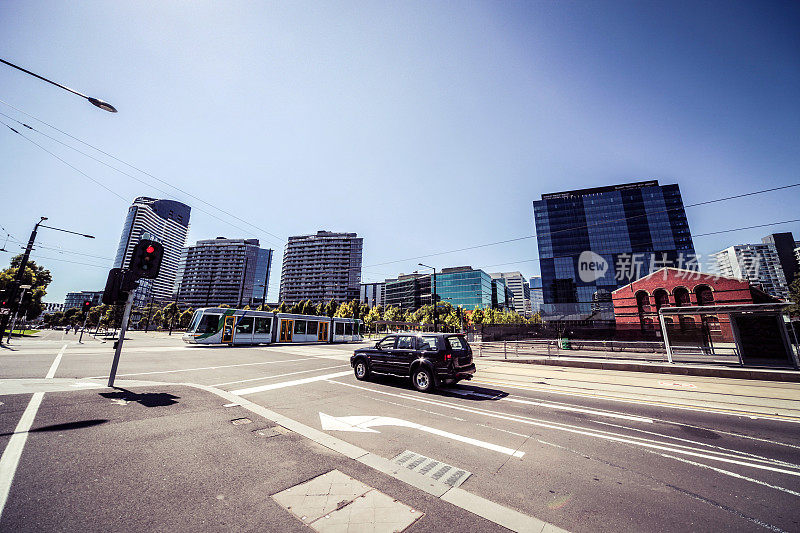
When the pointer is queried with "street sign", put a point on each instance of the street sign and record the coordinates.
(5, 311)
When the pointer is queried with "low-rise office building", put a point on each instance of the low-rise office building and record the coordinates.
(76, 299)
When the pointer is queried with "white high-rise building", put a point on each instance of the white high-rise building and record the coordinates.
(322, 267)
(165, 221)
(758, 263)
(522, 291)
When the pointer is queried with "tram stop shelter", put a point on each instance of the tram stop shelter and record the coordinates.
(762, 334)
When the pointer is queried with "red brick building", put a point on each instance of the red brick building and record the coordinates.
(636, 305)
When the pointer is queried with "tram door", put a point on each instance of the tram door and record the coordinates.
(227, 329)
(322, 333)
(286, 330)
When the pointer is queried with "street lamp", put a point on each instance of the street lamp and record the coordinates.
(24, 263)
(105, 106)
(433, 297)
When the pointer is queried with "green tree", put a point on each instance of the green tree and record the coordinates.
(393, 314)
(331, 308)
(171, 314)
(308, 308)
(186, 318)
(264, 307)
(371, 317)
(477, 317)
(345, 310)
(296, 308)
(282, 307)
(35, 276)
(794, 296)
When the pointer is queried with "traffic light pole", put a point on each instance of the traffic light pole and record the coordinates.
(118, 345)
(85, 318)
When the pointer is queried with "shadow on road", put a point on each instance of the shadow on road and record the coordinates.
(461, 391)
(66, 426)
(147, 399)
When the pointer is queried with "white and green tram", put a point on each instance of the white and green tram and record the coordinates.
(217, 325)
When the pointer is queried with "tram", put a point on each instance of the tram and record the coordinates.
(217, 325)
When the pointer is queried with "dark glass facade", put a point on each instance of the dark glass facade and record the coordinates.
(592, 241)
(465, 287)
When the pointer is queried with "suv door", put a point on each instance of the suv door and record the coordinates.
(405, 351)
(382, 351)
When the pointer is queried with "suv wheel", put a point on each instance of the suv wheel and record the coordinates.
(422, 379)
(361, 370)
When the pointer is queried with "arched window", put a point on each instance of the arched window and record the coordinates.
(662, 298)
(681, 296)
(704, 295)
(643, 306)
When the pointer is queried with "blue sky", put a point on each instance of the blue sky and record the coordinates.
(422, 126)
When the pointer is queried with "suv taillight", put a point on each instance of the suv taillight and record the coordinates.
(448, 356)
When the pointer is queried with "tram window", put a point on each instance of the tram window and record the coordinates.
(348, 328)
(208, 324)
(195, 320)
(312, 327)
(244, 326)
(299, 327)
(339, 328)
(262, 326)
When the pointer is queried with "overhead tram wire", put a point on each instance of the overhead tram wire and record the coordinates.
(105, 267)
(756, 226)
(604, 222)
(65, 162)
(110, 166)
(280, 239)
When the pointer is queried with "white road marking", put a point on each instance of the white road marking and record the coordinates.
(364, 424)
(555, 406)
(11, 455)
(449, 417)
(283, 384)
(277, 375)
(52, 372)
(732, 474)
(605, 435)
(199, 368)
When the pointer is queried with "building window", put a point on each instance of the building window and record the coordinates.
(704, 295)
(662, 298)
(681, 297)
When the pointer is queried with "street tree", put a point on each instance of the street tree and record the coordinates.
(35, 276)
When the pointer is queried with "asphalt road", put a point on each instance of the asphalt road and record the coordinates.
(585, 450)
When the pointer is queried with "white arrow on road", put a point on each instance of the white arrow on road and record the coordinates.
(364, 424)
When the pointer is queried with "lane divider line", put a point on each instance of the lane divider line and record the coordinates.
(273, 386)
(199, 368)
(278, 375)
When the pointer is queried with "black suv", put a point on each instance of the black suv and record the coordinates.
(427, 358)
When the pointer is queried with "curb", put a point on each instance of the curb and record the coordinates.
(792, 376)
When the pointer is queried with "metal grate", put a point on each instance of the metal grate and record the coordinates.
(443, 472)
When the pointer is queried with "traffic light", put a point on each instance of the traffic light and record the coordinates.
(87, 304)
(146, 259)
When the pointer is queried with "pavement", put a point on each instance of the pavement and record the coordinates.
(285, 438)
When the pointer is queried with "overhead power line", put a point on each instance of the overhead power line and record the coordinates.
(165, 182)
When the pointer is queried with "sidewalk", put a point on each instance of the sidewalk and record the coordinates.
(148, 457)
(684, 369)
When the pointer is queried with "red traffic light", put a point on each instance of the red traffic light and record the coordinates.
(150, 249)
(87, 303)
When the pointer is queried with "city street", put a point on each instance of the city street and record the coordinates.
(578, 449)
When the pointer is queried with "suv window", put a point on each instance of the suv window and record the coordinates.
(427, 344)
(456, 344)
(405, 343)
(386, 344)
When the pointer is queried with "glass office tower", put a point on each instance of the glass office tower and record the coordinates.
(592, 241)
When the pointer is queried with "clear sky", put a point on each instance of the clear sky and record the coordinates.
(422, 126)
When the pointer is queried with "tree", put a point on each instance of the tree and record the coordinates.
(186, 318)
(371, 317)
(393, 314)
(345, 310)
(171, 313)
(308, 308)
(35, 276)
(282, 307)
(794, 296)
(477, 317)
(264, 307)
(330, 309)
(320, 309)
